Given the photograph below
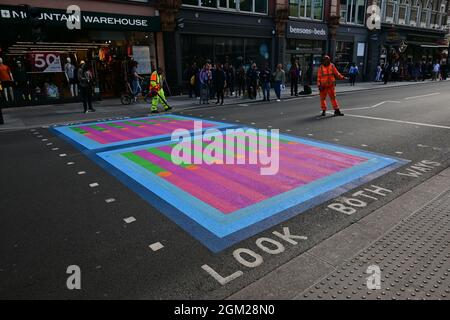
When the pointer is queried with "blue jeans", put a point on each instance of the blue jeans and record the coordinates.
(136, 87)
(278, 89)
(266, 90)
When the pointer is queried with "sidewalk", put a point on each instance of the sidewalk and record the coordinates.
(28, 117)
(407, 239)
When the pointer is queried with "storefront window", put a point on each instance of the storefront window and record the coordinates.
(413, 16)
(254, 6)
(344, 56)
(229, 4)
(310, 9)
(352, 11)
(233, 50)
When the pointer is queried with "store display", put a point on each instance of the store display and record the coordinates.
(70, 72)
(6, 78)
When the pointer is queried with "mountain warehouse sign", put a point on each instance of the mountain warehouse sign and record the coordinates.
(89, 20)
(306, 30)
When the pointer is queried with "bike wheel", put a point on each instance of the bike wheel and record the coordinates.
(125, 99)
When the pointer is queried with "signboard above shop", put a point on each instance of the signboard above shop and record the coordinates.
(306, 30)
(88, 20)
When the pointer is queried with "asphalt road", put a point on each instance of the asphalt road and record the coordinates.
(51, 218)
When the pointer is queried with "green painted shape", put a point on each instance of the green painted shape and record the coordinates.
(143, 163)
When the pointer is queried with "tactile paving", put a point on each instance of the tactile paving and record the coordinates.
(413, 258)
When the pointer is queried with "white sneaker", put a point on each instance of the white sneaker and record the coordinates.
(278, 100)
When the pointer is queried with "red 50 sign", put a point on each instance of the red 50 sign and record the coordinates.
(45, 61)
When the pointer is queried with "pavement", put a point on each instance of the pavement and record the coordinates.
(60, 208)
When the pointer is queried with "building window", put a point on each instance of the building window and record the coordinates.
(309, 9)
(344, 56)
(253, 6)
(353, 11)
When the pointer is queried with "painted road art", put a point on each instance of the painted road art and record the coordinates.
(222, 204)
(121, 132)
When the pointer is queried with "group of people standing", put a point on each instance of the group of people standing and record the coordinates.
(215, 81)
(418, 71)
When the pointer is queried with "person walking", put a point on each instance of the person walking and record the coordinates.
(192, 75)
(326, 81)
(204, 84)
(135, 80)
(386, 73)
(436, 71)
(252, 81)
(379, 72)
(294, 74)
(353, 73)
(85, 83)
(220, 82)
(265, 77)
(279, 77)
(157, 91)
(240, 76)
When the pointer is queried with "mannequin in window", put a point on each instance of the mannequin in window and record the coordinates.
(69, 70)
(7, 80)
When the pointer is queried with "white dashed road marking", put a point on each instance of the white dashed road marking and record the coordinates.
(70, 163)
(129, 219)
(156, 246)
(423, 96)
(110, 200)
(93, 185)
(399, 121)
(63, 155)
(81, 172)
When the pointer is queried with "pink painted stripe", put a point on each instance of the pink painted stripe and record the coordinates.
(210, 192)
(98, 136)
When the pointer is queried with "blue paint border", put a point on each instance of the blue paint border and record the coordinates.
(93, 145)
(275, 216)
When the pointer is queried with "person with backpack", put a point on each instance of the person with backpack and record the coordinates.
(265, 77)
(85, 79)
(353, 73)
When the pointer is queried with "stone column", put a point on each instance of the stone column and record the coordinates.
(281, 17)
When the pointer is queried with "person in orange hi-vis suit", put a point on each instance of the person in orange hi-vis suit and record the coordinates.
(326, 81)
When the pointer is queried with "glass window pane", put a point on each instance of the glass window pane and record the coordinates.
(343, 8)
(209, 3)
(246, 5)
(361, 12)
(293, 8)
(232, 4)
(302, 8)
(223, 3)
(191, 2)
(318, 7)
(308, 8)
(261, 6)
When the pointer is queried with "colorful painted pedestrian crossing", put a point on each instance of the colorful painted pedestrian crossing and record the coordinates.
(120, 132)
(221, 204)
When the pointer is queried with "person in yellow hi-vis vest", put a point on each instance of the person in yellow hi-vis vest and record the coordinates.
(157, 92)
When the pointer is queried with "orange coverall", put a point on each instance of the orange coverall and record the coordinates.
(326, 81)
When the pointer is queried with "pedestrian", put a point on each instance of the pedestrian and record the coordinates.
(436, 71)
(353, 73)
(157, 91)
(379, 73)
(279, 78)
(192, 74)
(240, 77)
(416, 72)
(229, 72)
(326, 81)
(265, 77)
(423, 70)
(204, 84)
(294, 74)
(220, 82)
(252, 81)
(86, 81)
(135, 80)
(386, 72)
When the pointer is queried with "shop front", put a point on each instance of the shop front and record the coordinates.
(406, 48)
(222, 37)
(351, 47)
(47, 65)
(306, 43)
